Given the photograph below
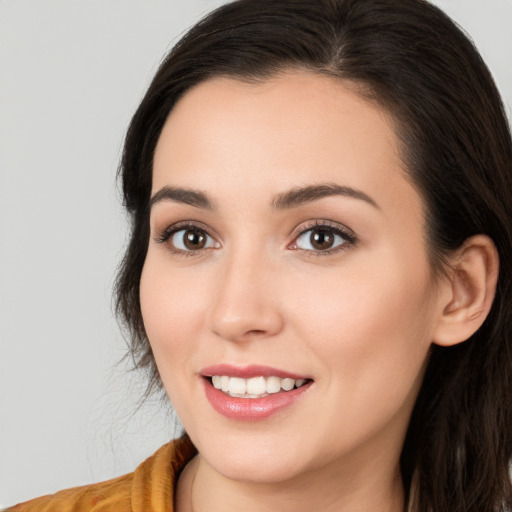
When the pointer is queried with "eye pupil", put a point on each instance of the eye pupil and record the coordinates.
(194, 239)
(321, 239)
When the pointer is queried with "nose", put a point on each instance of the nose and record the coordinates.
(246, 305)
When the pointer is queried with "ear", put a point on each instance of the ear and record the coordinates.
(468, 293)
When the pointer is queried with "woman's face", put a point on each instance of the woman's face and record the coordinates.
(287, 243)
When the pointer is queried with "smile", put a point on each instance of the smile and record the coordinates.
(255, 387)
(252, 393)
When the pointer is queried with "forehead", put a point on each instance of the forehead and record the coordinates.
(291, 130)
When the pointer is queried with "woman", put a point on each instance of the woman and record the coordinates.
(318, 273)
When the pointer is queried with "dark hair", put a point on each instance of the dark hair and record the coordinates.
(411, 59)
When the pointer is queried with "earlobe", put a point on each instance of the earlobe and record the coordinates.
(469, 291)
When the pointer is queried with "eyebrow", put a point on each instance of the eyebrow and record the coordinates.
(291, 199)
(303, 195)
(182, 195)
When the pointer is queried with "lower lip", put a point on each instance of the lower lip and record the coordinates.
(251, 409)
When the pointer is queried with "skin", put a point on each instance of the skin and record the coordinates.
(359, 321)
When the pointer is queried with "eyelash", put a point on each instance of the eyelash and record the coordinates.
(333, 228)
(164, 236)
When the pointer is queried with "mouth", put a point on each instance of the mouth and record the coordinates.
(255, 387)
(252, 393)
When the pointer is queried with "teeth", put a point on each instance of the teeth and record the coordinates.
(224, 383)
(217, 381)
(255, 387)
(237, 385)
(273, 385)
(287, 384)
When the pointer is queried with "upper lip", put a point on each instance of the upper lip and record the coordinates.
(249, 371)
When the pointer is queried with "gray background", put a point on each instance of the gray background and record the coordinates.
(71, 75)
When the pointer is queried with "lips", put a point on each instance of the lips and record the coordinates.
(253, 392)
(246, 372)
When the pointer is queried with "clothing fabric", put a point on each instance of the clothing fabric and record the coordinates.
(150, 488)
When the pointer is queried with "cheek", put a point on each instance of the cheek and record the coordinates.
(173, 303)
(372, 328)
(368, 336)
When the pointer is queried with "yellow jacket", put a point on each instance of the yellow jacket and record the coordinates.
(150, 488)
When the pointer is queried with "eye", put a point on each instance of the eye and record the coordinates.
(191, 239)
(186, 239)
(323, 238)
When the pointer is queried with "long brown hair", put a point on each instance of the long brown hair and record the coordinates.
(411, 59)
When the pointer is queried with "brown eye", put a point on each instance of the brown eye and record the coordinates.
(322, 239)
(191, 239)
(194, 239)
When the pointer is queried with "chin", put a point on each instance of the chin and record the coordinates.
(253, 458)
(252, 468)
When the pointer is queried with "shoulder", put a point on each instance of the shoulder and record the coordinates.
(149, 487)
(112, 495)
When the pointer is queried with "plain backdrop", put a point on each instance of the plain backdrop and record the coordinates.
(71, 75)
